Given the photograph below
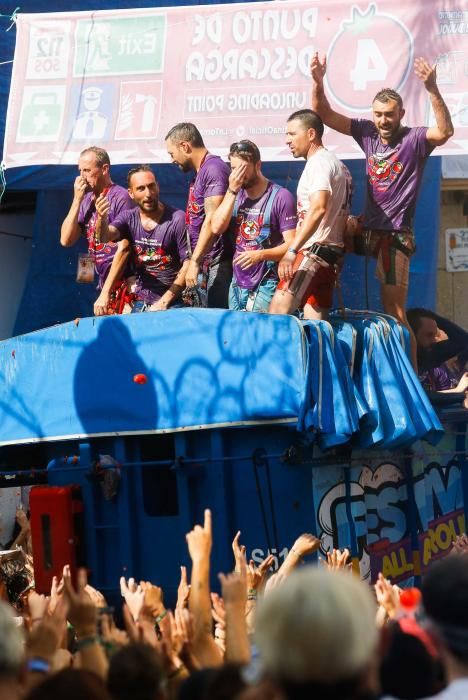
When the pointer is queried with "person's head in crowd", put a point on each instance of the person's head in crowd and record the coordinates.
(94, 167)
(246, 151)
(185, 146)
(11, 652)
(194, 687)
(143, 188)
(408, 670)
(136, 673)
(317, 636)
(445, 601)
(304, 132)
(226, 683)
(70, 684)
(424, 326)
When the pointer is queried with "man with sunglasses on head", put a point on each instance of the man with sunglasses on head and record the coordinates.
(309, 268)
(187, 150)
(261, 217)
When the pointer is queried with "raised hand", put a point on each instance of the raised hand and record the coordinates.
(337, 560)
(134, 597)
(256, 576)
(38, 605)
(183, 591)
(102, 206)
(82, 610)
(318, 68)
(153, 598)
(238, 551)
(199, 540)
(388, 596)
(80, 187)
(236, 178)
(305, 544)
(426, 73)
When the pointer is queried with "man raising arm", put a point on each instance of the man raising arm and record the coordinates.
(395, 160)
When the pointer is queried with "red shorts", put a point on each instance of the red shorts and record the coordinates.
(313, 283)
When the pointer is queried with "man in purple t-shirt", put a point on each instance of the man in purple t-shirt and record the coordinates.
(157, 235)
(261, 217)
(395, 159)
(186, 148)
(93, 185)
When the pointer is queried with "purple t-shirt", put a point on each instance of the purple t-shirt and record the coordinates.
(158, 254)
(212, 179)
(103, 253)
(249, 235)
(436, 379)
(394, 174)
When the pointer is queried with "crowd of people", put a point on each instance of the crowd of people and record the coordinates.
(308, 629)
(244, 242)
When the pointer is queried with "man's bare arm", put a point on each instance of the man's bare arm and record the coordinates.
(205, 241)
(70, 230)
(174, 291)
(439, 134)
(315, 214)
(222, 216)
(320, 103)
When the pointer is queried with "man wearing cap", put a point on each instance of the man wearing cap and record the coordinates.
(187, 150)
(158, 239)
(93, 185)
(261, 217)
(309, 268)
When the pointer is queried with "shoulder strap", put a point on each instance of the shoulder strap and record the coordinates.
(269, 205)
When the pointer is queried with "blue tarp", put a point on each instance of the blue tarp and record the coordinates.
(206, 368)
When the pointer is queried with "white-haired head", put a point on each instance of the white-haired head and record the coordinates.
(317, 627)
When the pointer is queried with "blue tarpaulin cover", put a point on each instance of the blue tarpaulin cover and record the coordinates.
(202, 368)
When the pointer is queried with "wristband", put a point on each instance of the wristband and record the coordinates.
(160, 617)
(232, 192)
(37, 665)
(292, 250)
(86, 642)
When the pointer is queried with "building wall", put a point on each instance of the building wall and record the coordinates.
(452, 287)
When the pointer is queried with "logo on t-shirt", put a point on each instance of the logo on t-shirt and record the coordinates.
(248, 228)
(383, 171)
(154, 260)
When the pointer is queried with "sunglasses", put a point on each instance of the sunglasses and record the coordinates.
(245, 147)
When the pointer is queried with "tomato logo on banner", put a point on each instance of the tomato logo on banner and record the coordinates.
(379, 50)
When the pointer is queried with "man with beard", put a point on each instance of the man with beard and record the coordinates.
(157, 235)
(309, 268)
(186, 148)
(262, 218)
(395, 160)
(93, 185)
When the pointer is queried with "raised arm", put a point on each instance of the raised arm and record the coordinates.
(71, 229)
(320, 103)
(439, 134)
(199, 542)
